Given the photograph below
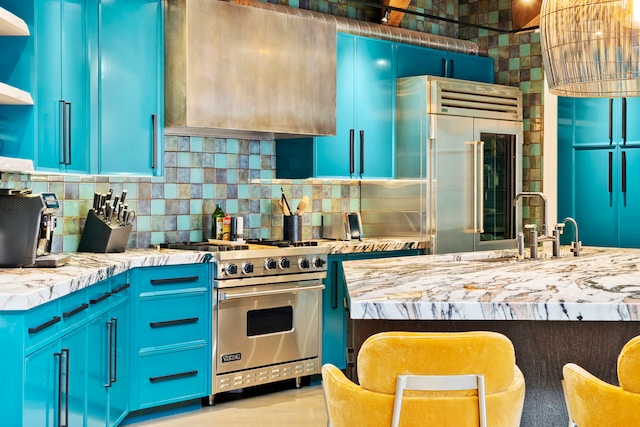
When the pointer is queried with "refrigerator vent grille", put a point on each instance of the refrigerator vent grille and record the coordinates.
(477, 100)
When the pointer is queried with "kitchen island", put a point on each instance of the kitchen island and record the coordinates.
(570, 309)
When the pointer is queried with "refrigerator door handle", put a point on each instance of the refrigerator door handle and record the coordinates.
(477, 186)
(480, 187)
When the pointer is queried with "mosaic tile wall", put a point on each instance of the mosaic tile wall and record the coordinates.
(199, 173)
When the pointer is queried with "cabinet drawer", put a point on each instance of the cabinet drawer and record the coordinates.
(173, 377)
(41, 323)
(179, 319)
(176, 278)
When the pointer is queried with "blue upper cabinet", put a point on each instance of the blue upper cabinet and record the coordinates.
(61, 127)
(95, 69)
(365, 108)
(131, 87)
(418, 61)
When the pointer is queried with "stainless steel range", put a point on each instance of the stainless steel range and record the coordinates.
(267, 311)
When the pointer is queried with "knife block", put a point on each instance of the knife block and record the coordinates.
(100, 237)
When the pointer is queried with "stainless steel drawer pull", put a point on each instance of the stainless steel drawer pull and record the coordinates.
(173, 322)
(174, 280)
(100, 298)
(173, 376)
(45, 325)
(75, 311)
(226, 296)
(120, 288)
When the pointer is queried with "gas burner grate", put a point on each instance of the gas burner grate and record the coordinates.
(203, 246)
(282, 243)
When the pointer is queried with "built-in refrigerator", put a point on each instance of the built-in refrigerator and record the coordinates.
(463, 141)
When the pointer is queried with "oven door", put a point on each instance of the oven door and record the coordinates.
(267, 324)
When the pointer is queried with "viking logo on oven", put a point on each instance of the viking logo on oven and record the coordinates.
(233, 357)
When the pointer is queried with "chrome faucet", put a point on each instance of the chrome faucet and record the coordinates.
(576, 244)
(542, 197)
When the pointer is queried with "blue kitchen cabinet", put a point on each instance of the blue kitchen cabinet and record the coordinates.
(61, 96)
(335, 304)
(419, 61)
(172, 343)
(109, 355)
(598, 160)
(41, 377)
(131, 87)
(96, 72)
(61, 365)
(365, 98)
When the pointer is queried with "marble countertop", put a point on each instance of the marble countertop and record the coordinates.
(25, 288)
(603, 284)
(372, 245)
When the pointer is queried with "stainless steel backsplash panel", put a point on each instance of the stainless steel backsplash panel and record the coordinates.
(392, 209)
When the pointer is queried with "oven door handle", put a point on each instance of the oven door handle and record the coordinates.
(223, 296)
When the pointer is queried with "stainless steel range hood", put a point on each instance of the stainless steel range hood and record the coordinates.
(239, 71)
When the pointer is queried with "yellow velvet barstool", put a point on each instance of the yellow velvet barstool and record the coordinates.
(385, 356)
(592, 402)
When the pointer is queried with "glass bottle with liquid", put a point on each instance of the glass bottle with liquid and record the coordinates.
(217, 218)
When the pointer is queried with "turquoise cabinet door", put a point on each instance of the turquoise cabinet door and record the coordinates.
(98, 371)
(595, 202)
(420, 61)
(629, 197)
(334, 322)
(591, 121)
(74, 345)
(41, 381)
(332, 154)
(131, 86)
(119, 390)
(61, 76)
(375, 108)
(470, 67)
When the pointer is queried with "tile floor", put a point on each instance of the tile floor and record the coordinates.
(284, 407)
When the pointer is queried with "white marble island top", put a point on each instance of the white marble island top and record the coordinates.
(603, 284)
(25, 288)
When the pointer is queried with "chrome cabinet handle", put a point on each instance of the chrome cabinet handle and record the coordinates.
(478, 186)
(481, 187)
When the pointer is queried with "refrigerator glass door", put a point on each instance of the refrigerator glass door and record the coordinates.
(501, 179)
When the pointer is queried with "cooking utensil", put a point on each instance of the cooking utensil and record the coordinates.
(284, 199)
(283, 207)
(302, 205)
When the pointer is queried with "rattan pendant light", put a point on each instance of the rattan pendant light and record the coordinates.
(591, 48)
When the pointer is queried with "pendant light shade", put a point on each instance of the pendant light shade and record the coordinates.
(591, 48)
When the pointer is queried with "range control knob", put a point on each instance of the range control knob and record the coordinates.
(270, 264)
(247, 268)
(318, 262)
(303, 263)
(285, 263)
(231, 269)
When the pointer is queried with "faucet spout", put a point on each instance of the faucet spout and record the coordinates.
(541, 196)
(575, 245)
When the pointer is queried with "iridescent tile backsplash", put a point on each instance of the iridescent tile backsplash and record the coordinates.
(199, 173)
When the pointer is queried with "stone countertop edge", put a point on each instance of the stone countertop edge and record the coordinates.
(372, 244)
(25, 288)
(603, 284)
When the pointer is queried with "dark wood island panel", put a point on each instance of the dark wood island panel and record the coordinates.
(542, 348)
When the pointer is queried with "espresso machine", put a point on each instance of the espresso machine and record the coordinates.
(27, 222)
